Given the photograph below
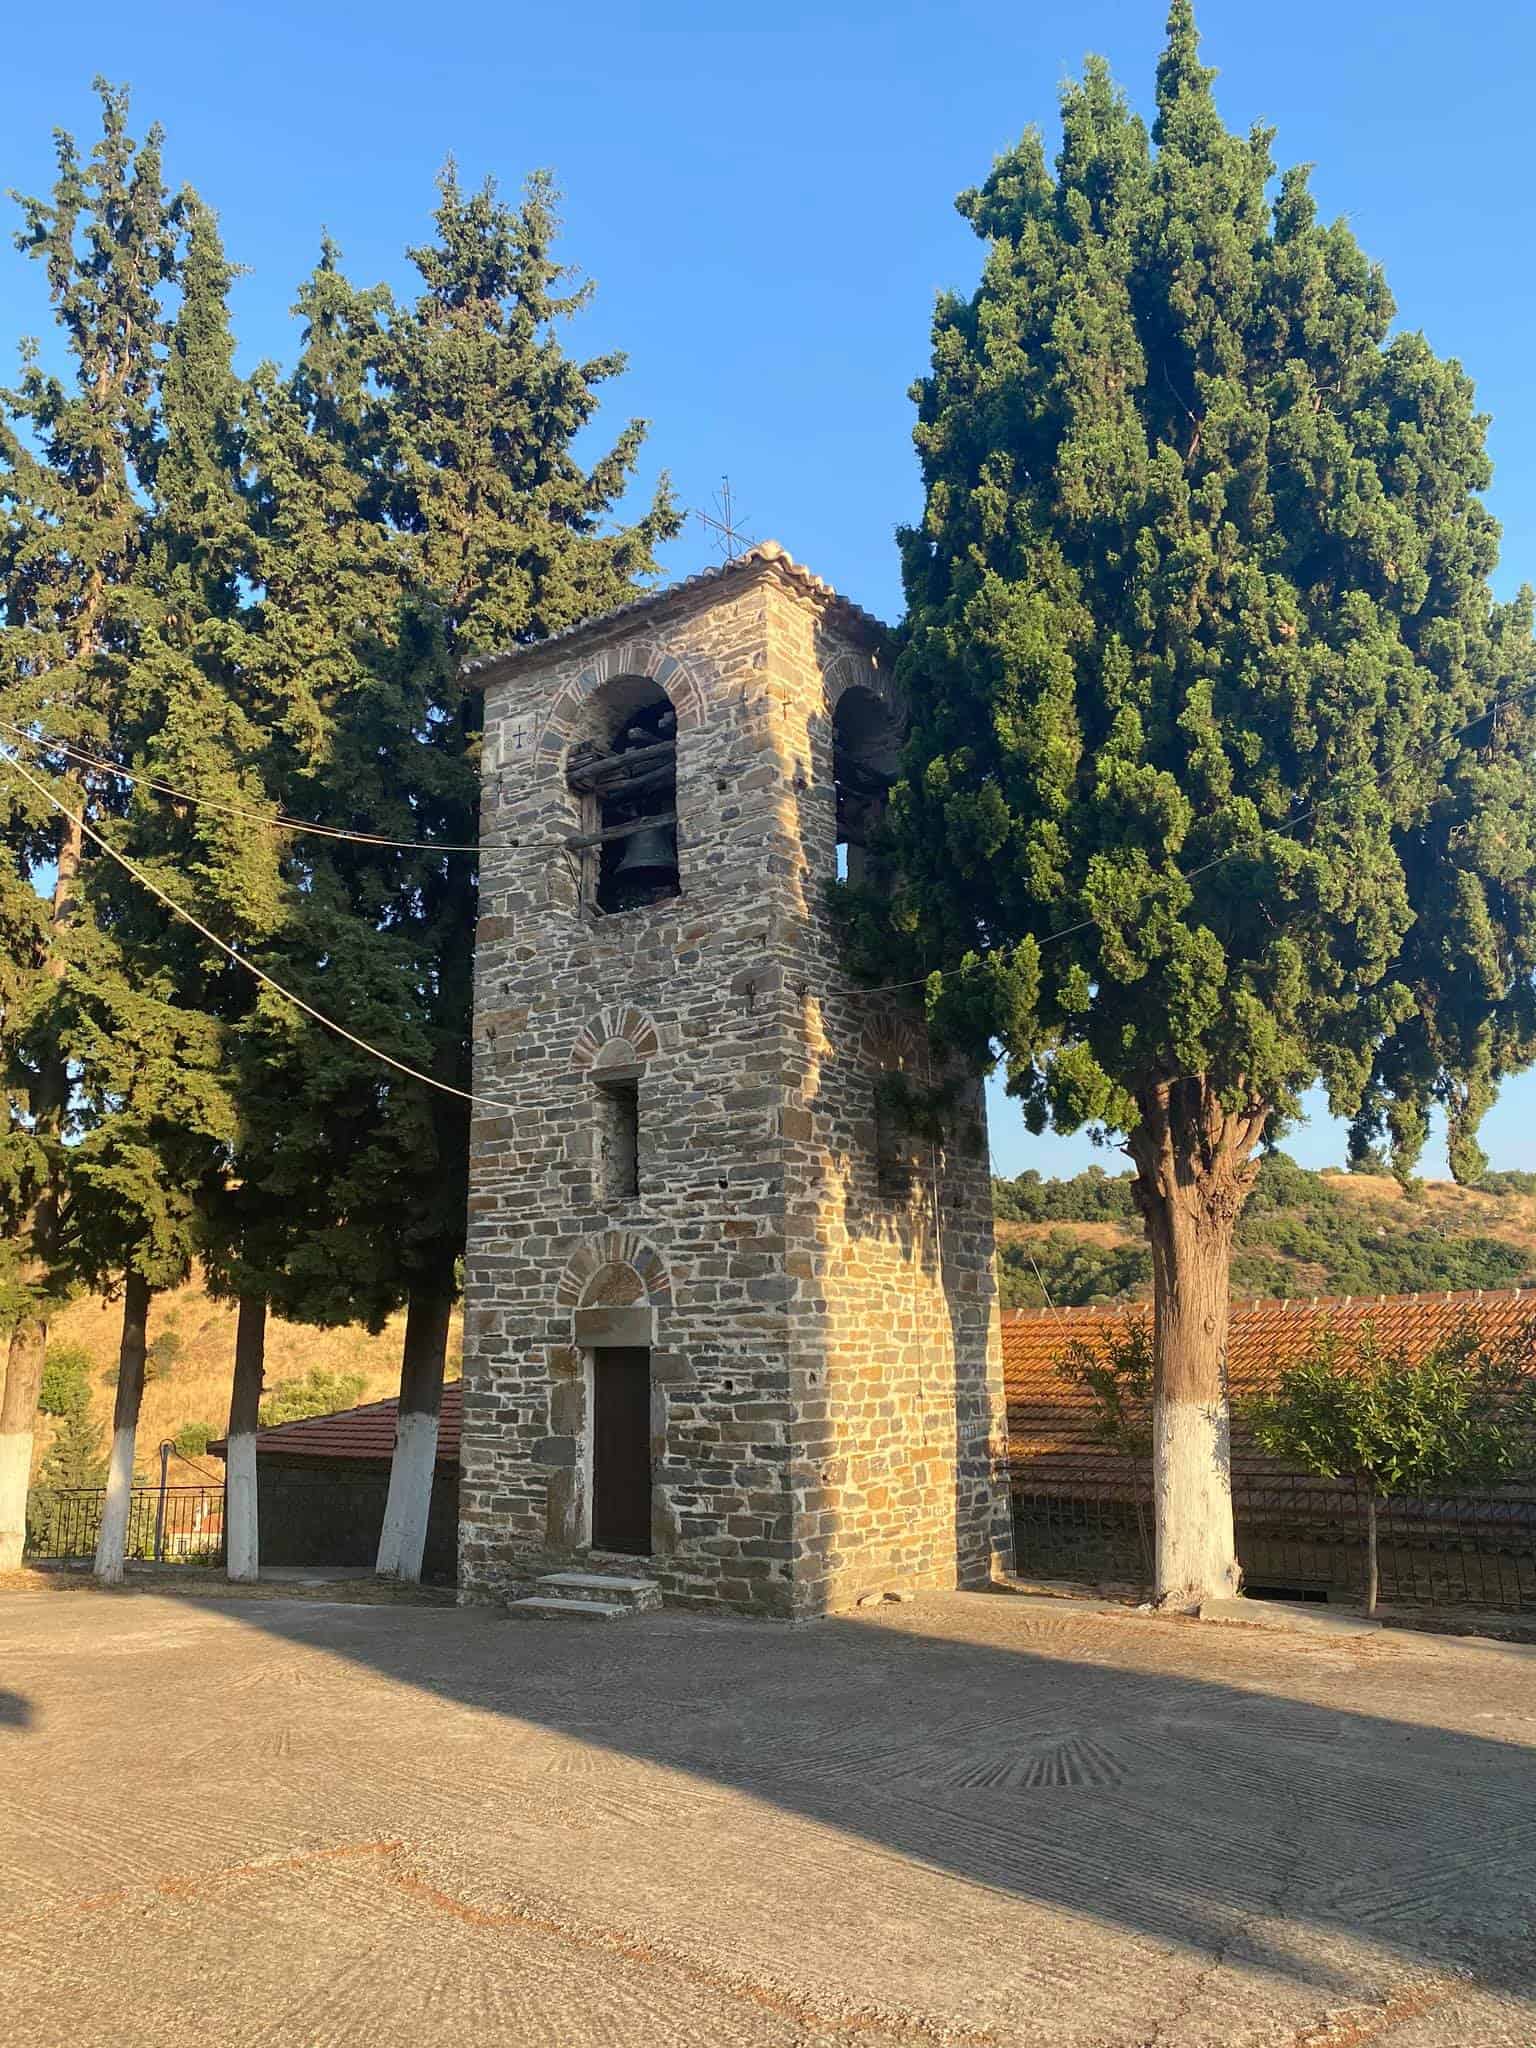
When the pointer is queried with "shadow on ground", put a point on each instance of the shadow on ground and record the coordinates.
(1053, 1760)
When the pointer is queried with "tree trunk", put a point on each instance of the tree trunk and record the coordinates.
(403, 1539)
(1372, 1556)
(1194, 1172)
(242, 1547)
(29, 1339)
(18, 1414)
(112, 1543)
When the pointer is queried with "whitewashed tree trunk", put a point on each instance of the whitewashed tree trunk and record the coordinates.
(112, 1540)
(403, 1539)
(18, 1418)
(1194, 1171)
(242, 1540)
(39, 1235)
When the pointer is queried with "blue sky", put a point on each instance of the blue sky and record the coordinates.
(766, 200)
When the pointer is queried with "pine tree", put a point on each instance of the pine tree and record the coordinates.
(75, 456)
(1207, 795)
(425, 454)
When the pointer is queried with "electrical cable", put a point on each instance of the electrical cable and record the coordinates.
(240, 959)
(278, 822)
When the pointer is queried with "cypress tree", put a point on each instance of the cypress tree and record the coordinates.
(75, 456)
(1220, 777)
(462, 521)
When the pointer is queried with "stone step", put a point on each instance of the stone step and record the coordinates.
(635, 1595)
(543, 1608)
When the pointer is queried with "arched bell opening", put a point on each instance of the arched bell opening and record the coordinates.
(624, 770)
(866, 759)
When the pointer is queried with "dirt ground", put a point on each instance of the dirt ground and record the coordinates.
(975, 1820)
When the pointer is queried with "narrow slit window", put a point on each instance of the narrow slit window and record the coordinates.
(618, 1140)
(895, 1153)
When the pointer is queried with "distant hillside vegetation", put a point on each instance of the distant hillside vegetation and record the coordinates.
(1080, 1240)
(192, 1350)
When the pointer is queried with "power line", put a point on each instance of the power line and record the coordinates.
(240, 959)
(278, 822)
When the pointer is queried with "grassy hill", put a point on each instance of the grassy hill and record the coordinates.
(192, 1338)
(1302, 1233)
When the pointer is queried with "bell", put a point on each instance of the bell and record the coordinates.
(650, 855)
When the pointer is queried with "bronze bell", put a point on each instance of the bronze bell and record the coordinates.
(649, 855)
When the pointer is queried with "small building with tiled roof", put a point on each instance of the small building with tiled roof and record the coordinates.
(322, 1483)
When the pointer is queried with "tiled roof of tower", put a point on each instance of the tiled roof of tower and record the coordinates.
(1050, 1422)
(764, 554)
(366, 1432)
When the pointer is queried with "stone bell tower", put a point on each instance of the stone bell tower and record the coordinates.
(731, 1320)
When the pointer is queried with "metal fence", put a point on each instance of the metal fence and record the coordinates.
(169, 1525)
(1293, 1535)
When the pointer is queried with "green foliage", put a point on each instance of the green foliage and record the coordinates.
(1116, 1373)
(1510, 1182)
(76, 1457)
(1092, 1196)
(164, 1351)
(1061, 1271)
(1206, 784)
(318, 1392)
(193, 1438)
(1464, 1416)
(1299, 1234)
(66, 1387)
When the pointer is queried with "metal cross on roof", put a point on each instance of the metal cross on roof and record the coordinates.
(730, 535)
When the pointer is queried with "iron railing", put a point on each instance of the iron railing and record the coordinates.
(167, 1525)
(1094, 1524)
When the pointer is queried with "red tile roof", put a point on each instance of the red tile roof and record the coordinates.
(366, 1432)
(1050, 1423)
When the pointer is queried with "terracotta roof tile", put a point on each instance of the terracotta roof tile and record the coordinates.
(366, 1432)
(1050, 1423)
(766, 553)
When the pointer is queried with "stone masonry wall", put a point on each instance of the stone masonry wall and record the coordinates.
(827, 1413)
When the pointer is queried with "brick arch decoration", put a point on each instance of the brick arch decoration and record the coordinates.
(590, 1272)
(894, 1044)
(629, 658)
(620, 1037)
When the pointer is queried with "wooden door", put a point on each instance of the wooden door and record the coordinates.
(621, 1450)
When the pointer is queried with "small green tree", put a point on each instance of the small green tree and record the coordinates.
(318, 1393)
(1463, 1416)
(1118, 1375)
(193, 1438)
(66, 1383)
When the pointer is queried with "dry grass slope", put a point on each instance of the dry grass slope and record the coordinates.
(195, 1388)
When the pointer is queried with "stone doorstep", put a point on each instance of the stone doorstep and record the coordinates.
(619, 1589)
(587, 1596)
(535, 1608)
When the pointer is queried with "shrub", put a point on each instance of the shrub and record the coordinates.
(318, 1393)
(66, 1387)
(1464, 1416)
